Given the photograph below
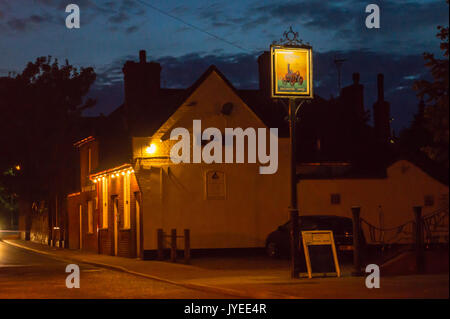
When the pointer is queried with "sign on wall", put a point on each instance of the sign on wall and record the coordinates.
(320, 253)
(215, 186)
(291, 72)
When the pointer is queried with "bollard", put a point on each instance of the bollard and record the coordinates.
(187, 246)
(173, 246)
(356, 241)
(160, 243)
(420, 250)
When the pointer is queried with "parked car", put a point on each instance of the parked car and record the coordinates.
(278, 242)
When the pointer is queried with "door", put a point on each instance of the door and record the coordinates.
(116, 224)
(81, 225)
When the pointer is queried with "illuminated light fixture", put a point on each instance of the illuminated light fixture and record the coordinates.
(113, 174)
(150, 149)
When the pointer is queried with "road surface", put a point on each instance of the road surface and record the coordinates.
(25, 274)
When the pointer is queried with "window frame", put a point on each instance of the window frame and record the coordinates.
(335, 199)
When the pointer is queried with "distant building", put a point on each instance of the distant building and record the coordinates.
(386, 199)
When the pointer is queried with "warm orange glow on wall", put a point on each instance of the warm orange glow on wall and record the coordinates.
(151, 149)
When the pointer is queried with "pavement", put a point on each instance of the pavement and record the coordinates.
(252, 277)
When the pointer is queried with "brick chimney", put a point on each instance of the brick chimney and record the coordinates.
(353, 97)
(264, 73)
(381, 113)
(142, 80)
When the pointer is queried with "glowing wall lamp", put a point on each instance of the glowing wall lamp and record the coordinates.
(150, 149)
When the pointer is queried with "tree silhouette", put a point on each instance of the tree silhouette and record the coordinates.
(40, 109)
(436, 95)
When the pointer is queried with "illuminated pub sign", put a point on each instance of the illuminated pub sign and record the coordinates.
(291, 71)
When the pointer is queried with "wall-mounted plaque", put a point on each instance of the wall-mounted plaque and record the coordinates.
(215, 185)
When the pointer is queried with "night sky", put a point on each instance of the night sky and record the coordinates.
(113, 31)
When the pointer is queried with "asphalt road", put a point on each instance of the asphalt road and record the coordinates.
(28, 275)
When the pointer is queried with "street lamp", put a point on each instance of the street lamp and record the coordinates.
(292, 78)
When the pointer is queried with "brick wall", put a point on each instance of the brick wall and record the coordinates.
(101, 240)
(89, 240)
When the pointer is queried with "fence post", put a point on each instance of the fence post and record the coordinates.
(173, 245)
(356, 241)
(187, 246)
(160, 242)
(420, 250)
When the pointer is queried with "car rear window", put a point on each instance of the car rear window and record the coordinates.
(335, 224)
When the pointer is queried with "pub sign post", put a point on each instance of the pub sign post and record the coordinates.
(292, 79)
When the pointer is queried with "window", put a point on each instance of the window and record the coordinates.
(429, 200)
(104, 203)
(126, 201)
(335, 199)
(90, 207)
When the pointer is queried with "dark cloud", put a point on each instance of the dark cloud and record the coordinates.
(124, 10)
(181, 9)
(403, 23)
(242, 70)
(53, 11)
(213, 12)
(315, 14)
(119, 18)
(111, 73)
(396, 16)
(310, 13)
(23, 24)
(37, 18)
(18, 24)
(132, 29)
